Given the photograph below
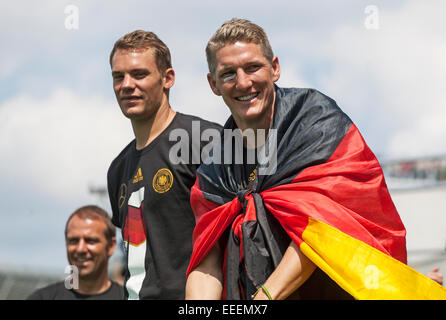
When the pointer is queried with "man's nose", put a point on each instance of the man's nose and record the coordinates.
(127, 82)
(243, 80)
(81, 246)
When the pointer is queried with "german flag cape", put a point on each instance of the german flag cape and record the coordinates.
(327, 194)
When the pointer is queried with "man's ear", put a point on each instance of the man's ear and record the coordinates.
(276, 68)
(212, 84)
(169, 78)
(111, 247)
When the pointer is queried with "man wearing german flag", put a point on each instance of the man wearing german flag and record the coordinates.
(310, 219)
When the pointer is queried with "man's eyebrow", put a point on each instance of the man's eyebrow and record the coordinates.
(92, 238)
(225, 69)
(229, 67)
(137, 70)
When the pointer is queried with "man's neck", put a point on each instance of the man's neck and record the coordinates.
(260, 129)
(94, 286)
(146, 130)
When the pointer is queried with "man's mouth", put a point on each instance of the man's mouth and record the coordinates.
(248, 97)
(131, 98)
(81, 261)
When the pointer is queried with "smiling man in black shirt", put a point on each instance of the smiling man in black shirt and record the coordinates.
(90, 241)
(149, 190)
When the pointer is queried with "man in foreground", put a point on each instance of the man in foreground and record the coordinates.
(90, 241)
(312, 219)
(149, 186)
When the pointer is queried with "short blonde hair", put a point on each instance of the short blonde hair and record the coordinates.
(237, 30)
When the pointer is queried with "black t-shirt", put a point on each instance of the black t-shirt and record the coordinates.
(58, 291)
(150, 199)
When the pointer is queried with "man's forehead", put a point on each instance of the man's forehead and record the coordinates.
(238, 52)
(132, 56)
(84, 226)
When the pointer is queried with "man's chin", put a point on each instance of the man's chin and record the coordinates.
(134, 113)
(86, 274)
(131, 111)
(84, 269)
(137, 116)
(249, 115)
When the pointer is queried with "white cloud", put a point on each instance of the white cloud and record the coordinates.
(52, 149)
(191, 94)
(291, 76)
(60, 144)
(394, 78)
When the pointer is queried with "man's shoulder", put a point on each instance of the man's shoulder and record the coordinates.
(122, 156)
(188, 119)
(49, 292)
(58, 291)
(116, 291)
(305, 95)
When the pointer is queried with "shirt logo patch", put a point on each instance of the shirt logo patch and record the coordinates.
(162, 181)
(138, 177)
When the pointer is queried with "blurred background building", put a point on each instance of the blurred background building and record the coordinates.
(418, 189)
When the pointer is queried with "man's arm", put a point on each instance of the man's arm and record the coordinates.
(113, 197)
(293, 270)
(205, 282)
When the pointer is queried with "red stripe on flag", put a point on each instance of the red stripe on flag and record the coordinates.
(347, 192)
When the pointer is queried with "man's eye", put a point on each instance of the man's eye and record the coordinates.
(228, 76)
(139, 75)
(252, 68)
(118, 77)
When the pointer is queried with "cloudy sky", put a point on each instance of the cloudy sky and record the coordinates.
(60, 126)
